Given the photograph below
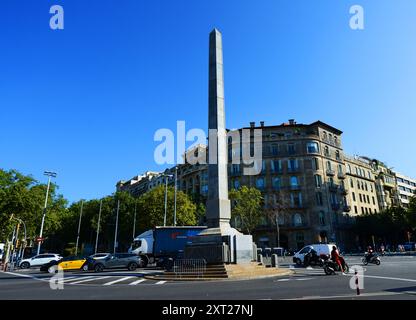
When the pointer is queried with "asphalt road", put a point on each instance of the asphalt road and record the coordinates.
(395, 278)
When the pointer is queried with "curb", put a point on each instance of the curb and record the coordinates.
(251, 277)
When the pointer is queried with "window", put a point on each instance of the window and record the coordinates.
(204, 188)
(322, 218)
(315, 163)
(291, 148)
(374, 201)
(336, 140)
(318, 180)
(362, 210)
(352, 183)
(366, 210)
(369, 174)
(355, 209)
(292, 165)
(369, 210)
(348, 168)
(325, 135)
(368, 199)
(236, 184)
(263, 166)
(326, 151)
(297, 219)
(328, 165)
(260, 183)
(296, 200)
(362, 185)
(337, 155)
(365, 185)
(275, 149)
(358, 184)
(312, 147)
(353, 196)
(340, 168)
(276, 183)
(319, 200)
(294, 181)
(361, 198)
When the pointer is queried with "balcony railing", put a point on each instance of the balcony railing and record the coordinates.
(330, 172)
(341, 175)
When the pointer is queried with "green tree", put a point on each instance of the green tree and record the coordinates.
(151, 207)
(247, 206)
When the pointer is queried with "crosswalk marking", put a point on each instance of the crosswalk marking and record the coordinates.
(136, 282)
(160, 282)
(74, 278)
(91, 279)
(115, 281)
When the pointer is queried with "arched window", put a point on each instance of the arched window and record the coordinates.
(327, 151)
(276, 183)
(294, 181)
(337, 155)
(297, 219)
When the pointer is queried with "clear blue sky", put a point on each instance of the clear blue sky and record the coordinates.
(86, 101)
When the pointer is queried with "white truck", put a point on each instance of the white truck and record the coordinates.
(161, 243)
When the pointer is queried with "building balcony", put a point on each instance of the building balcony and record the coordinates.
(341, 175)
(333, 187)
(330, 172)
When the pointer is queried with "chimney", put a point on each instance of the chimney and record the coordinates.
(292, 122)
(261, 123)
(252, 124)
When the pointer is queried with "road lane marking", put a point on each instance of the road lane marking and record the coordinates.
(303, 279)
(136, 282)
(115, 281)
(281, 280)
(390, 278)
(74, 278)
(92, 279)
(160, 282)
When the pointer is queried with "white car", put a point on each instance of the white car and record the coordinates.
(39, 260)
(321, 249)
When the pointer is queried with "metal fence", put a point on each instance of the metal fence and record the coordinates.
(187, 267)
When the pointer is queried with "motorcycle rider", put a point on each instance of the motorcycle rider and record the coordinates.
(370, 254)
(335, 257)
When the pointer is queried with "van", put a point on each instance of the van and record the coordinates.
(321, 249)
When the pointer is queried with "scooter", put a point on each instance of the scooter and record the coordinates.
(371, 259)
(330, 267)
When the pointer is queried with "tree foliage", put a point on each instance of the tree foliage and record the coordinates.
(247, 206)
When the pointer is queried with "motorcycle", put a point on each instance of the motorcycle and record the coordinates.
(371, 259)
(312, 259)
(330, 267)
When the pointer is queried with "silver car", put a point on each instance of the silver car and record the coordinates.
(130, 261)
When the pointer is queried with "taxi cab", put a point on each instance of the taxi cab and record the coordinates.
(67, 264)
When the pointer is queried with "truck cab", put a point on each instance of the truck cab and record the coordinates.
(143, 243)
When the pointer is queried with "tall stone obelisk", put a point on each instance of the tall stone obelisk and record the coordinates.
(218, 211)
(219, 243)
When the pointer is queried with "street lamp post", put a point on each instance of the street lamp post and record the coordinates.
(115, 233)
(98, 226)
(79, 227)
(49, 174)
(176, 187)
(166, 196)
(134, 220)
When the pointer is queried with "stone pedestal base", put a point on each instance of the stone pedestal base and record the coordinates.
(221, 245)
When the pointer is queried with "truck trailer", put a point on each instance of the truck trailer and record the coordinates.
(160, 244)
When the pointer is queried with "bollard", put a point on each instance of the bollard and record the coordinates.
(275, 261)
(260, 259)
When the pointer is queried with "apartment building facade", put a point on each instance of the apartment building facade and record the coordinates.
(406, 188)
(361, 182)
